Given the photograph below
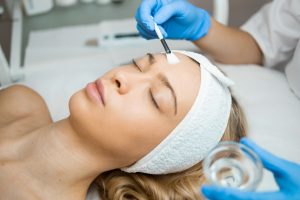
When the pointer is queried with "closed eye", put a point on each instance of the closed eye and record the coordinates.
(136, 65)
(153, 99)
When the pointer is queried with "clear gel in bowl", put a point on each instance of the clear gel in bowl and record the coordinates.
(234, 165)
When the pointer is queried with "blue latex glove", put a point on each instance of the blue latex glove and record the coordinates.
(286, 174)
(177, 19)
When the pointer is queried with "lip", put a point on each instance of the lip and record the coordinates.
(95, 91)
(100, 88)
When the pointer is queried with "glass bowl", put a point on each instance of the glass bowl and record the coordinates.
(234, 165)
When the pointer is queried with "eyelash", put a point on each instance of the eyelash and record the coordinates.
(150, 92)
(152, 99)
(136, 65)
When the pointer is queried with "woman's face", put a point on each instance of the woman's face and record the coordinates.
(138, 105)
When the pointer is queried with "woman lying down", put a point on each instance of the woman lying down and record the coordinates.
(139, 132)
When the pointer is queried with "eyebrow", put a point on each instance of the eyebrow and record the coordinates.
(151, 58)
(164, 81)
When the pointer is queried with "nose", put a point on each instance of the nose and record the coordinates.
(125, 81)
(120, 80)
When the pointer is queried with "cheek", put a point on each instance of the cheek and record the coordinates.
(127, 128)
(137, 131)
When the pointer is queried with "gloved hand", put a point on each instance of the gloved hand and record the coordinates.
(177, 19)
(286, 174)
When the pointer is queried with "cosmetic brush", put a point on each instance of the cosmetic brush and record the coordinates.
(171, 57)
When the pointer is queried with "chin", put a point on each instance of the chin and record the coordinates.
(82, 115)
(78, 106)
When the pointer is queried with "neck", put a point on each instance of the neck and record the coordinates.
(61, 162)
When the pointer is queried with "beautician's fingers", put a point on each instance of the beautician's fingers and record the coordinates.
(221, 193)
(174, 9)
(286, 173)
(145, 33)
(270, 161)
(150, 34)
(143, 14)
(179, 19)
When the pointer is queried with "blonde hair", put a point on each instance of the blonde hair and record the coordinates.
(119, 185)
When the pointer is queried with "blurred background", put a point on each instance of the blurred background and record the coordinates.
(65, 13)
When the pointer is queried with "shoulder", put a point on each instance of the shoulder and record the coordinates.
(18, 102)
(16, 90)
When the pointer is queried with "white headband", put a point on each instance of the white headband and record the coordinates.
(199, 131)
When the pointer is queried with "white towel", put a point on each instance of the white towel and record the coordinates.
(199, 131)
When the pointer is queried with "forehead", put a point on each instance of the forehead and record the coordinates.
(184, 77)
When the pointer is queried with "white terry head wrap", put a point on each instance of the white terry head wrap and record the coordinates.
(199, 131)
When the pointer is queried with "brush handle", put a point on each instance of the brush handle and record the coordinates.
(162, 40)
(165, 45)
(158, 32)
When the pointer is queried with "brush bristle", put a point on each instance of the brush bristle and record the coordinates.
(172, 58)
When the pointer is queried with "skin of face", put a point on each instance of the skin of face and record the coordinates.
(139, 109)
